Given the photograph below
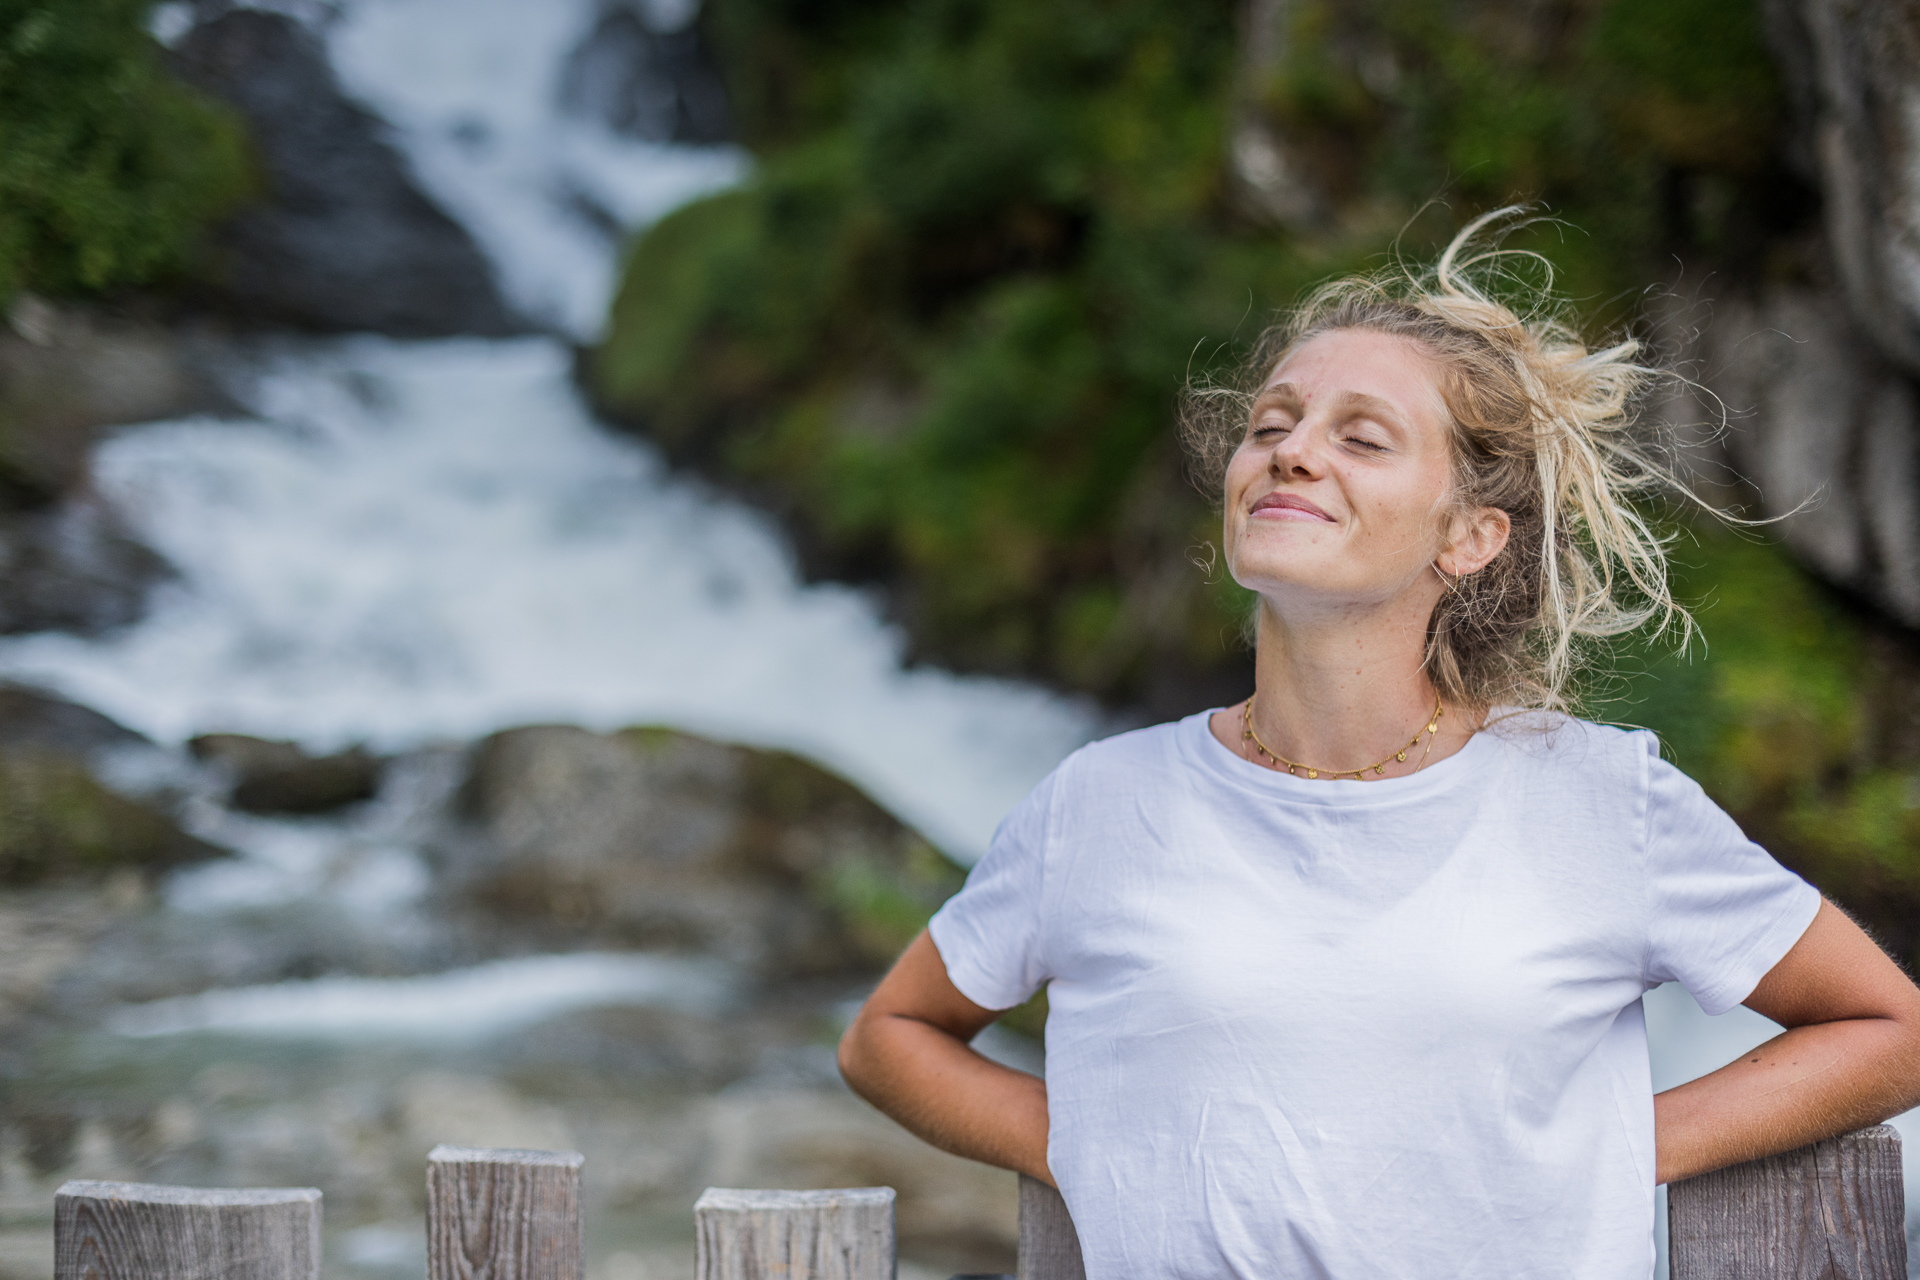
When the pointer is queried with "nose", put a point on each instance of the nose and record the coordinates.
(1297, 454)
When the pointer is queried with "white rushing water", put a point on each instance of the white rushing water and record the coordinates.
(473, 93)
(483, 1000)
(419, 541)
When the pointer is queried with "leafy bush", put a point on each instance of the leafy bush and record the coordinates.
(943, 328)
(108, 167)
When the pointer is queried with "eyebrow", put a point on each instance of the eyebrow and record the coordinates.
(1350, 402)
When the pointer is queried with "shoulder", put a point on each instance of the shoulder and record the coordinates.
(1152, 749)
(1554, 740)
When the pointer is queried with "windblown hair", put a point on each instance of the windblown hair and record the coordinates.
(1543, 428)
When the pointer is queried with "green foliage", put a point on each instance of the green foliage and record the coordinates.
(944, 327)
(108, 166)
(1648, 126)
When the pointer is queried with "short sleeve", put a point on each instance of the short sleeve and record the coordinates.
(1723, 911)
(989, 933)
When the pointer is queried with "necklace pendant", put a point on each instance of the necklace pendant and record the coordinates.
(1401, 756)
(1313, 773)
(1381, 768)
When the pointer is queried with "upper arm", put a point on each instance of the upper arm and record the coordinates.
(918, 987)
(1833, 973)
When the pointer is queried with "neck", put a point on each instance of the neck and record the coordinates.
(1341, 691)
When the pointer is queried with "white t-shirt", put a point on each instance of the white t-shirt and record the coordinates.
(1363, 1030)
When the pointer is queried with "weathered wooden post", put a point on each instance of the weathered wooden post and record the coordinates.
(1049, 1246)
(805, 1235)
(137, 1231)
(503, 1214)
(1834, 1209)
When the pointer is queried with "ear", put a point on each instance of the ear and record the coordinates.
(1474, 538)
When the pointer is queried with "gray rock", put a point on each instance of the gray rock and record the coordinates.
(1817, 372)
(656, 85)
(1853, 71)
(58, 824)
(68, 374)
(34, 717)
(73, 567)
(656, 838)
(343, 239)
(1829, 434)
(278, 777)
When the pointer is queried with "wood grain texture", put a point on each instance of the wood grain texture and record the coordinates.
(138, 1231)
(1049, 1245)
(794, 1235)
(1833, 1211)
(503, 1214)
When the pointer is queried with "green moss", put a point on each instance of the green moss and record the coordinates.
(58, 823)
(109, 168)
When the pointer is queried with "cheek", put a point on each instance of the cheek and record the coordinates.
(1403, 510)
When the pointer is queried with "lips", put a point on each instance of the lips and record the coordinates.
(1288, 506)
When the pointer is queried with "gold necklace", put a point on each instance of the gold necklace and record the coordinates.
(1433, 723)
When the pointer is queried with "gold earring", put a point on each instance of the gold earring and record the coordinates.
(1452, 587)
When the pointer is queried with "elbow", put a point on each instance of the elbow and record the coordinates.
(854, 1054)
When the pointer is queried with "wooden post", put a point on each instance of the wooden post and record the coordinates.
(503, 1214)
(137, 1231)
(1834, 1209)
(794, 1235)
(1049, 1246)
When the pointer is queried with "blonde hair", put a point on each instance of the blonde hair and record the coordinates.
(1543, 428)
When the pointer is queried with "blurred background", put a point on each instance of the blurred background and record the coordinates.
(539, 537)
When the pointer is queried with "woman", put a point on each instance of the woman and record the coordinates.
(1345, 981)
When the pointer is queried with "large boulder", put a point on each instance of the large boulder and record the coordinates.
(59, 825)
(1814, 365)
(342, 240)
(656, 838)
(1828, 430)
(278, 777)
(68, 374)
(1853, 72)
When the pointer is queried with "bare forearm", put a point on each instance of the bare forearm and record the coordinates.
(936, 1086)
(1806, 1084)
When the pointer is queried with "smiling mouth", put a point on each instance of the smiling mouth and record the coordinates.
(1286, 506)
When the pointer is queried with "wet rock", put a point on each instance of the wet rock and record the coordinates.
(278, 777)
(1829, 432)
(1816, 365)
(645, 82)
(73, 567)
(657, 838)
(58, 823)
(1853, 72)
(34, 717)
(67, 372)
(67, 375)
(342, 240)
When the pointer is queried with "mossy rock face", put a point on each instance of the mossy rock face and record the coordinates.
(656, 838)
(57, 823)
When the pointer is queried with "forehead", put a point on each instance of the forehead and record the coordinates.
(1354, 363)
